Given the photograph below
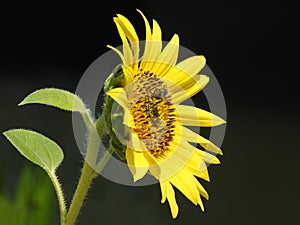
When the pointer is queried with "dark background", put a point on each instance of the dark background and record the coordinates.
(250, 46)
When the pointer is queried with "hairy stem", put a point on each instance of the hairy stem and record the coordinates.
(88, 120)
(99, 167)
(60, 197)
(80, 193)
(89, 172)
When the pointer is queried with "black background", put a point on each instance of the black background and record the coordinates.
(252, 48)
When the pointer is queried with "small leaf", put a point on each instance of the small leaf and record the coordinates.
(55, 97)
(37, 148)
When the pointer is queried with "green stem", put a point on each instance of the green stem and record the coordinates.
(80, 193)
(87, 175)
(103, 161)
(87, 120)
(60, 197)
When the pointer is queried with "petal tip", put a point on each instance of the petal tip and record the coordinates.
(140, 12)
(220, 152)
(136, 178)
(175, 39)
(218, 121)
(202, 57)
(217, 161)
(174, 214)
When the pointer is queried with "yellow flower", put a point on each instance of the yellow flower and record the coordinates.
(151, 95)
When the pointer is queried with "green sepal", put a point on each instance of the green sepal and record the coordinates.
(104, 122)
(101, 126)
(115, 79)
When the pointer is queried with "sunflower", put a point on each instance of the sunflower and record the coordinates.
(151, 96)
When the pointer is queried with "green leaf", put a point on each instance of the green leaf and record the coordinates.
(56, 97)
(37, 148)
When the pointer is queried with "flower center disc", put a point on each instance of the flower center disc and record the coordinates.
(153, 113)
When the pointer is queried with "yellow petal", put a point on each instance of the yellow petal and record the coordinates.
(171, 166)
(197, 166)
(128, 118)
(200, 203)
(200, 171)
(192, 116)
(131, 35)
(137, 164)
(168, 192)
(121, 31)
(137, 144)
(200, 188)
(147, 25)
(128, 74)
(118, 52)
(169, 54)
(191, 136)
(203, 174)
(198, 86)
(128, 57)
(207, 157)
(167, 58)
(148, 43)
(184, 182)
(156, 43)
(154, 47)
(182, 85)
(119, 95)
(175, 160)
(128, 28)
(202, 155)
(182, 95)
(192, 65)
(164, 191)
(179, 80)
(153, 164)
(156, 34)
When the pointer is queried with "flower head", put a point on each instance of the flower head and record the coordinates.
(151, 95)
